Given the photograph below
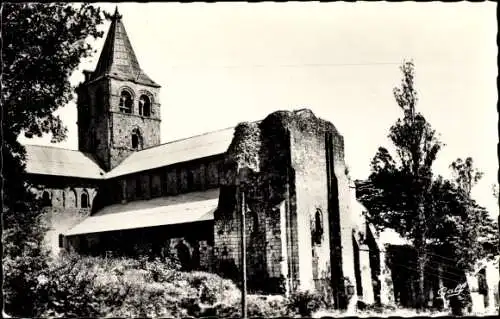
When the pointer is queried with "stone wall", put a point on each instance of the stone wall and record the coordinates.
(64, 208)
(309, 164)
(279, 166)
(59, 221)
(93, 120)
(263, 194)
(104, 130)
(121, 127)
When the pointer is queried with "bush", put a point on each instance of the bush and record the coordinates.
(25, 256)
(306, 302)
(257, 306)
(77, 286)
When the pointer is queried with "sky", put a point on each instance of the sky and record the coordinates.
(224, 63)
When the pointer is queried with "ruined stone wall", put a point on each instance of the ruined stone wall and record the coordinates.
(309, 163)
(345, 210)
(280, 166)
(262, 187)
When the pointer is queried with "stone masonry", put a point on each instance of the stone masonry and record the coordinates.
(281, 169)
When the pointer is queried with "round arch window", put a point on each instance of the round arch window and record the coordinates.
(84, 200)
(126, 102)
(144, 105)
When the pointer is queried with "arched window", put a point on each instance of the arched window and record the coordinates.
(46, 201)
(136, 139)
(144, 106)
(126, 102)
(254, 220)
(84, 200)
(317, 232)
(184, 256)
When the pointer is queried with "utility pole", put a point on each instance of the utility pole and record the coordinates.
(243, 257)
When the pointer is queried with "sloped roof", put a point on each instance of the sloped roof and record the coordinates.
(118, 58)
(209, 144)
(390, 237)
(47, 160)
(180, 209)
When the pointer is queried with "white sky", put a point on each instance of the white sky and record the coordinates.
(223, 63)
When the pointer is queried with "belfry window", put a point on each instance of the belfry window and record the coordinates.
(126, 102)
(136, 140)
(144, 106)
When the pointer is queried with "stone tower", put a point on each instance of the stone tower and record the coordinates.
(118, 104)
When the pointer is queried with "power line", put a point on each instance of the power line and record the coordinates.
(428, 273)
(301, 65)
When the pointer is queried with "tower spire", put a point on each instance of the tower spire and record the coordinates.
(118, 58)
(117, 15)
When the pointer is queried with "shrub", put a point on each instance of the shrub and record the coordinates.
(257, 306)
(305, 302)
(211, 287)
(78, 286)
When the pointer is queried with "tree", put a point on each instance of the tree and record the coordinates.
(477, 225)
(397, 190)
(42, 45)
(434, 213)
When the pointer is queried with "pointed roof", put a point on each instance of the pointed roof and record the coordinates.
(118, 58)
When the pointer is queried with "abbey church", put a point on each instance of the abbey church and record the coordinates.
(123, 193)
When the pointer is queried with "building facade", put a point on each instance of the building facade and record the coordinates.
(124, 193)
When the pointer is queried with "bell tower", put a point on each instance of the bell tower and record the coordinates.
(118, 104)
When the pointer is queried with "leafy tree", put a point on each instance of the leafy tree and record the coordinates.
(434, 213)
(479, 230)
(397, 190)
(43, 43)
(466, 175)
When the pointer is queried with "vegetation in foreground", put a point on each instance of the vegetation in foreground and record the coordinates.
(80, 286)
(77, 286)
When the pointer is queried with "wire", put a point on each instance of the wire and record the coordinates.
(303, 65)
(430, 273)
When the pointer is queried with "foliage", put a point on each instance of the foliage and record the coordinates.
(35, 82)
(397, 191)
(257, 307)
(306, 302)
(36, 67)
(77, 286)
(401, 193)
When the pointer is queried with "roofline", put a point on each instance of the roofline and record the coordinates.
(106, 76)
(101, 178)
(107, 177)
(61, 148)
(192, 136)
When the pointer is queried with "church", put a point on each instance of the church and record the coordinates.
(123, 193)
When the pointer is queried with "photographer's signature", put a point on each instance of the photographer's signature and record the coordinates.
(447, 293)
